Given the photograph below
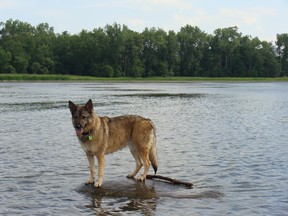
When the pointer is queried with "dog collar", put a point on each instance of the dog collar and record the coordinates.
(88, 134)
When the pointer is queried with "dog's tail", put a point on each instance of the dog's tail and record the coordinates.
(153, 154)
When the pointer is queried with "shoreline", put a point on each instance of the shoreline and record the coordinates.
(75, 78)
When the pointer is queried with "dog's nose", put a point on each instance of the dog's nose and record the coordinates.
(78, 126)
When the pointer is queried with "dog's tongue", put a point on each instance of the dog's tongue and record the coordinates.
(79, 132)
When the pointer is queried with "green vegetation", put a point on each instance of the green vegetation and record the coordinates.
(39, 77)
(117, 51)
(55, 77)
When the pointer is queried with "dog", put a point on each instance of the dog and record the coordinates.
(103, 135)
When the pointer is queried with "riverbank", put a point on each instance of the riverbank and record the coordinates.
(55, 77)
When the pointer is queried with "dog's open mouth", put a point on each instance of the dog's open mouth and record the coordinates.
(79, 131)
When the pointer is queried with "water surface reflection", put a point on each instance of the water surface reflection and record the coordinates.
(228, 139)
(133, 196)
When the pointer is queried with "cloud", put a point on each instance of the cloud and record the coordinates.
(169, 3)
(203, 20)
(253, 20)
(152, 5)
(136, 23)
(50, 13)
(9, 4)
(198, 18)
(248, 17)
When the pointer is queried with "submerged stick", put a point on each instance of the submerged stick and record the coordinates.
(170, 180)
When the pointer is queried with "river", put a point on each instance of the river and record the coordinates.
(229, 139)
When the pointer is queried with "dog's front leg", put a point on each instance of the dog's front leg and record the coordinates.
(90, 158)
(99, 182)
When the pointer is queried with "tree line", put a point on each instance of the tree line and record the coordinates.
(115, 51)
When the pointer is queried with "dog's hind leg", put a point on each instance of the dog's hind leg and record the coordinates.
(146, 162)
(138, 162)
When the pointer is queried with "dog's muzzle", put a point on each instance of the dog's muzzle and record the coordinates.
(79, 130)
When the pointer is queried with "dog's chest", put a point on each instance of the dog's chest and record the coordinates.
(89, 148)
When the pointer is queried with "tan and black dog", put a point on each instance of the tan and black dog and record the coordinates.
(103, 135)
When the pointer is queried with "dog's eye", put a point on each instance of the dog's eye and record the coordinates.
(84, 117)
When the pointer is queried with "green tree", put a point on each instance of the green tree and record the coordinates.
(16, 37)
(42, 57)
(149, 53)
(87, 52)
(5, 58)
(115, 48)
(161, 64)
(131, 56)
(210, 63)
(226, 41)
(106, 71)
(271, 68)
(192, 43)
(172, 54)
(99, 44)
(282, 52)
(63, 53)
(250, 57)
(155, 55)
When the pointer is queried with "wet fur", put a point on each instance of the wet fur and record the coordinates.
(103, 135)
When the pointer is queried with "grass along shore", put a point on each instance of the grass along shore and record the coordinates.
(55, 77)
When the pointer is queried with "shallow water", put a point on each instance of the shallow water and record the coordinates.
(228, 139)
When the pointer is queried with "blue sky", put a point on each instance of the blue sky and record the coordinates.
(262, 18)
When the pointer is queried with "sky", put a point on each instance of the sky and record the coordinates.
(257, 18)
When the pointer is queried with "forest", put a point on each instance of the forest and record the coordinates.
(117, 51)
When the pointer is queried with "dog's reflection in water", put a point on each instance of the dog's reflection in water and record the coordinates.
(114, 198)
(139, 197)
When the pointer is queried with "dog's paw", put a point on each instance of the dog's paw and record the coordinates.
(97, 184)
(89, 181)
(130, 176)
(142, 178)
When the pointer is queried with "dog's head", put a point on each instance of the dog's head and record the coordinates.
(82, 117)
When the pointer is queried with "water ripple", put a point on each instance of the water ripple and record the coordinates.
(228, 139)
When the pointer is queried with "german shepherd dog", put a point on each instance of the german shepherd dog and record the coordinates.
(103, 135)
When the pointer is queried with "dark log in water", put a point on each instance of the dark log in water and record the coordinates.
(170, 180)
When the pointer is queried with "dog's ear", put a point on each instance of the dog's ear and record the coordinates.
(72, 107)
(89, 106)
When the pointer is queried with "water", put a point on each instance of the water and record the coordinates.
(228, 139)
